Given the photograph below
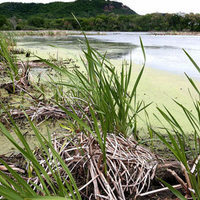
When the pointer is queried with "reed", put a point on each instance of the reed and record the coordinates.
(17, 188)
(8, 60)
(183, 147)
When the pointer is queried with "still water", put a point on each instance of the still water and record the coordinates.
(163, 52)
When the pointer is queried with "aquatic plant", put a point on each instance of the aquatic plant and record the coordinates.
(9, 61)
(107, 94)
(185, 147)
(106, 89)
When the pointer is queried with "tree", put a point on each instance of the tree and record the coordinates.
(3, 21)
(36, 21)
(13, 21)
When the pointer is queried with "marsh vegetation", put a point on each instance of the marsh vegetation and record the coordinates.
(97, 152)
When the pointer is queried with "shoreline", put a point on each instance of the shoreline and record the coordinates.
(22, 33)
(175, 33)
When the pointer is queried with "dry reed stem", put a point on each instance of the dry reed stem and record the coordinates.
(4, 168)
(38, 113)
(160, 190)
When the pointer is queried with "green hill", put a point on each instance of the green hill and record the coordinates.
(80, 8)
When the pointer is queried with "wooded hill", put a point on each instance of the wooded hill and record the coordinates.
(80, 8)
(93, 15)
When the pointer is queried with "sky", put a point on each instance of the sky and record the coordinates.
(145, 6)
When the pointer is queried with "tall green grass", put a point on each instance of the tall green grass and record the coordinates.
(107, 89)
(6, 57)
(108, 94)
(9, 61)
(183, 147)
(17, 188)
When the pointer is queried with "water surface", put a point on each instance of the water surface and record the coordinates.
(163, 52)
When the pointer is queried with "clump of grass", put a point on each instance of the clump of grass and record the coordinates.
(107, 89)
(108, 94)
(19, 79)
(9, 61)
(183, 148)
(19, 189)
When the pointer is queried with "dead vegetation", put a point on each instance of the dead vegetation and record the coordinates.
(21, 83)
(130, 167)
(37, 113)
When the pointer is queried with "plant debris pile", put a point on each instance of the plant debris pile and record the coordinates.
(130, 167)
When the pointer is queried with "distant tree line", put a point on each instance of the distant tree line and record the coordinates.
(109, 22)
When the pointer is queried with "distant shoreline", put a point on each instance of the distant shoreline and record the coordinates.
(174, 33)
(78, 32)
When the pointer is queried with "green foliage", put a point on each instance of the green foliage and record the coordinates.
(97, 15)
(115, 22)
(5, 56)
(36, 21)
(149, 22)
(107, 90)
(181, 146)
(82, 8)
(19, 189)
(3, 21)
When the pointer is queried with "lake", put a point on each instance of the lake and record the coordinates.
(162, 51)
